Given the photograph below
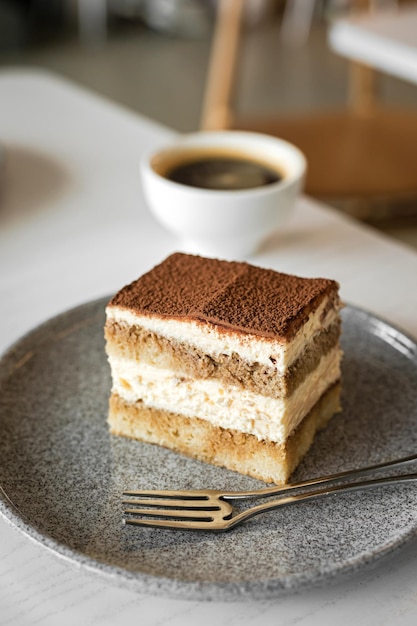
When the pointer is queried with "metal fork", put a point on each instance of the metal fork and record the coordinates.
(210, 509)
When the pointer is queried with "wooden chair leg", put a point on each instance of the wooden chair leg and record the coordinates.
(362, 94)
(217, 104)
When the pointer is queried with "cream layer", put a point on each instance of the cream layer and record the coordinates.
(253, 349)
(224, 405)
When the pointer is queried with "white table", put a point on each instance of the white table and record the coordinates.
(385, 40)
(71, 206)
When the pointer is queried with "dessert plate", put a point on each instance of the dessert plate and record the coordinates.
(62, 474)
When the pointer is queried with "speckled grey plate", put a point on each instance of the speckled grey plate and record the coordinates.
(62, 474)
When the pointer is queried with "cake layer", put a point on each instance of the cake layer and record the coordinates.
(233, 296)
(267, 461)
(215, 341)
(227, 406)
(140, 344)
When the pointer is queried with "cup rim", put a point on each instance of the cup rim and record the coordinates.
(212, 138)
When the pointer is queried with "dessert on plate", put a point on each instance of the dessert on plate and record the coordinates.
(226, 362)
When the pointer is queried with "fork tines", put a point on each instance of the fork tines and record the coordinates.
(170, 509)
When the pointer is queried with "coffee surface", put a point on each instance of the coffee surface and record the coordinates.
(214, 167)
(223, 173)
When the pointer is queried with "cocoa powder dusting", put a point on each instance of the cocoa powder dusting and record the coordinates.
(232, 295)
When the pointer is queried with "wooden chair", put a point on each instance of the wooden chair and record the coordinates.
(362, 158)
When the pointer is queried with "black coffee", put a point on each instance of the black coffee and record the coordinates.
(219, 171)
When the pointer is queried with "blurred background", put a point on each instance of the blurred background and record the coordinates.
(268, 58)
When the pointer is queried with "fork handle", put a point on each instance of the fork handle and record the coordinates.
(321, 481)
(319, 493)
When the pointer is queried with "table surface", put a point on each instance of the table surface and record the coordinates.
(74, 227)
(385, 40)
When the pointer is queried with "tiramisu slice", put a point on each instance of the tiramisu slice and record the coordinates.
(226, 362)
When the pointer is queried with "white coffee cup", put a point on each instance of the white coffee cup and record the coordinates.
(229, 223)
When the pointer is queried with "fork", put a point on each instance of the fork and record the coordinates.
(211, 509)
